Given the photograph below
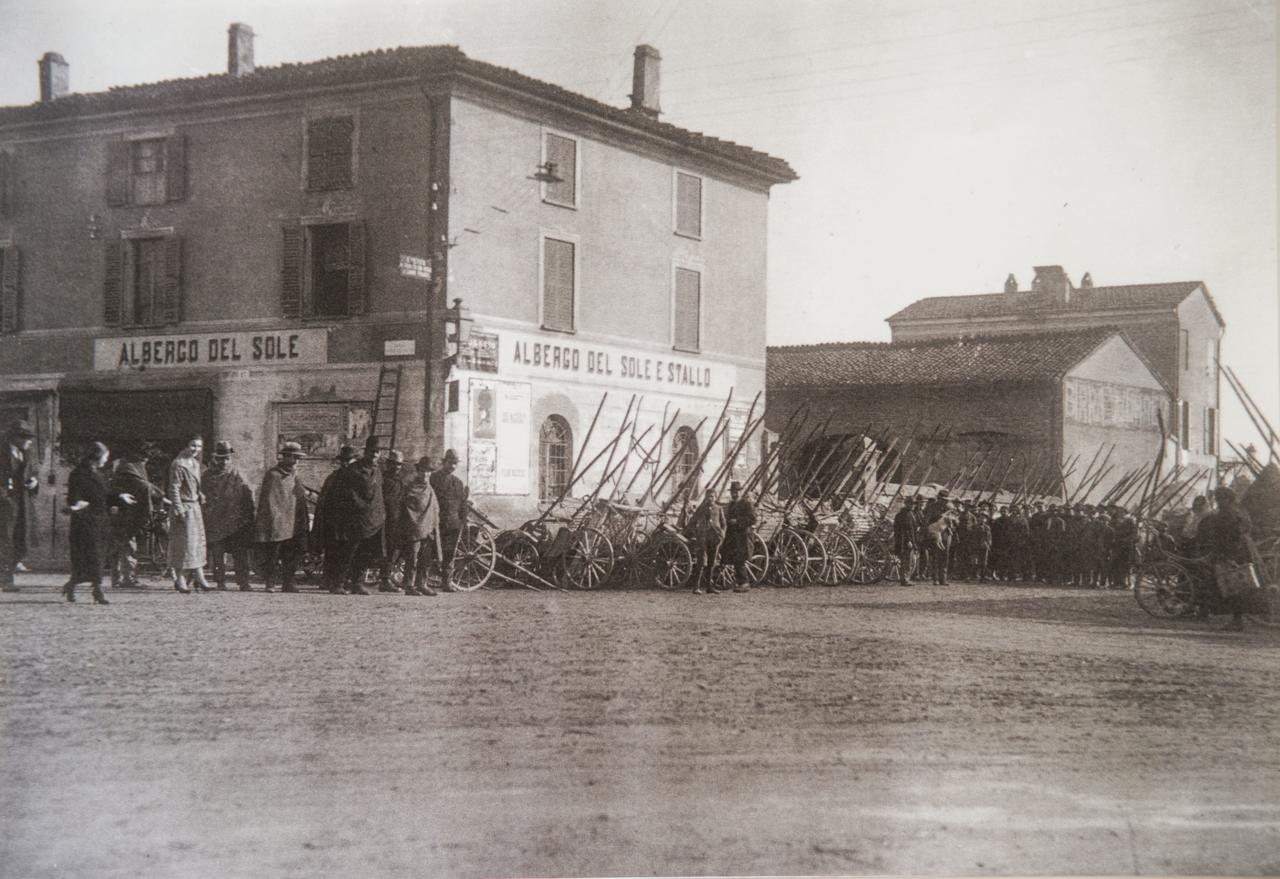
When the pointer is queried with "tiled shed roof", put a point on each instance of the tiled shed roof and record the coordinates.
(373, 67)
(1132, 296)
(1041, 357)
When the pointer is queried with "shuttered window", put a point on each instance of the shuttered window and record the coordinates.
(9, 296)
(688, 205)
(562, 161)
(322, 272)
(329, 154)
(1184, 411)
(143, 286)
(558, 281)
(8, 185)
(688, 310)
(146, 171)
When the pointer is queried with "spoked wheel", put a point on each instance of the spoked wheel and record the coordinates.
(788, 558)
(842, 558)
(758, 561)
(474, 558)
(874, 563)
(1263, 606)
(665, 562)
(518, 557)
(588, 561)
(815, 557)
(1164, 589)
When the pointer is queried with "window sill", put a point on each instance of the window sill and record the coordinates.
(689, 235)
(560, 204)
(686, 350)
(568, 332)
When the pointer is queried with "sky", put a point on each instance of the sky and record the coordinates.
(940, 145)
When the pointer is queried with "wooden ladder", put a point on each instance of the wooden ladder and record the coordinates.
(386, 406)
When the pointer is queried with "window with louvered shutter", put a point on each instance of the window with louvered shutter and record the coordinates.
(119, 173)
(8, 185)
(291, 272)
(329, 153)
(688, 310)
(113, 285)
(688, 205)
(557, 284)
(8, 290)
(562, 158)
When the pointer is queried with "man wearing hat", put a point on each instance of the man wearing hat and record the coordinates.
(18, 484)
(739, 518)
(324, 537)
(938, 529)
(228, 516)
(281, 522)
(128, 522)
(452, 496)
(906, 532)
(415, 534)
(392, 500)
(356, 497)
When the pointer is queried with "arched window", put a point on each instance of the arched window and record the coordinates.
(555, 457)
(685, 449)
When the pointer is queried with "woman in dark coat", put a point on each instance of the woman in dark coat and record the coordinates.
(89, 501)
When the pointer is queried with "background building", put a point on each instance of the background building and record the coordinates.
(1044, 397)
(252, 255)
(1176, 327)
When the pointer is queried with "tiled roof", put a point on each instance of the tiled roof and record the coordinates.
(1153, 297)
(373, 67)
(1037, 357)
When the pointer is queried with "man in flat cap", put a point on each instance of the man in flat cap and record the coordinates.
(18, 483)
(281, 523)
(452, 497)
(324, 525)
(228, 516)
(357, 493)
(739, 518)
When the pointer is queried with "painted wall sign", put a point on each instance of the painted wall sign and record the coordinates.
(399, 348)
(499, 441)
(211, 350)
(526, 354)
(480, 354)
(415, 267)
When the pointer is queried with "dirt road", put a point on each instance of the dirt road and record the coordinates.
(961, 730)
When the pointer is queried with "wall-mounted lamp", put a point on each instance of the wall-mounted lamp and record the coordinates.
(457, 327)
(95, 227)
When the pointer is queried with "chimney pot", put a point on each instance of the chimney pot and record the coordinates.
(1052, 280)
(239, 49)
(645, 81)
(1086, 283)
(55, 77)
(1011, 284)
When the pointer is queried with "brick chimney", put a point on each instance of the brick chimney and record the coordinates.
(1053, 281)
(55, 77)
(645, 81)
(1011, 284)
(239, 49)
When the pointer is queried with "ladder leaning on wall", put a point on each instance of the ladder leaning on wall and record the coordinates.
(386, 405)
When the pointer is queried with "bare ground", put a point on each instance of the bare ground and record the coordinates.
(959, 730)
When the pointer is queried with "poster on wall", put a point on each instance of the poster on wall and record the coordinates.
(499, 437)
(321, 429)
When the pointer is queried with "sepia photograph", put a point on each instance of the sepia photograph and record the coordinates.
(618, 438)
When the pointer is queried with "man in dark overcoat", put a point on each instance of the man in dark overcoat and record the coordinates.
(130, 522)
(906, 534)
(393, 487)
(358, 491)
(18, 484)
(452, 497)
(280, 526)
(324, 536)
(939, 521)
(228, 517)
(739, 518)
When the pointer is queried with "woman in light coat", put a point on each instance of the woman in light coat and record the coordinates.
(186, 522)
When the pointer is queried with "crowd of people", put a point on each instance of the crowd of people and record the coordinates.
(372, 514)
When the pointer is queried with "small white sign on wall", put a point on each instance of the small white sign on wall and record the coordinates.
(399, 348)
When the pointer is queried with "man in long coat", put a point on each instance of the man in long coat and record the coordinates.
(739, 518)
(938, 533)
(281, 522)
(393, 484)
(324, 534)
(415, 536)
(906, 531)
(357, 493)
(18, 483)
(129, 522)
(452, 496)
(228, 517)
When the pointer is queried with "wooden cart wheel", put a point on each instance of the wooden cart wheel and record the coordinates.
(518, 556)
(875, 562)
(665, 562)
(758, 561)
(788, 558)
(842, 558)
(815, 557)
(474, 559)
(1164, 589)
(588, 560)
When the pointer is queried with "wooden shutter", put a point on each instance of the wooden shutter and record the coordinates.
(171, 283)
(557, 284)
(356, 295)
(688, 309)
(7, 185)
(119, 155)
(175, 167)
(688, 205)
(291, 272)
(113, 287)
(563, 153)
(8, 289)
